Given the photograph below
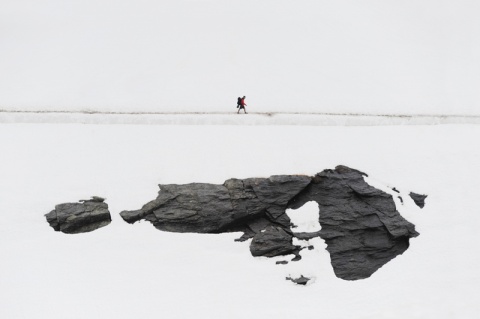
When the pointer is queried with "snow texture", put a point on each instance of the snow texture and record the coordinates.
(138, 272)
(366, 60)
(302, 119)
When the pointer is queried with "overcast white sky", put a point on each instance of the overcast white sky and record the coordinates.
(324, 56)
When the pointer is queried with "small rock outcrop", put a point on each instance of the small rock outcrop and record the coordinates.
(82, 217)
(418, 199)
(360, 224)
(300, 280)
(273, 241)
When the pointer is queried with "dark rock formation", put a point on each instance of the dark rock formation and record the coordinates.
(274, 241)
(207, 208)
(360, 223)
(299, 281)
(418, 199)
(73, 218)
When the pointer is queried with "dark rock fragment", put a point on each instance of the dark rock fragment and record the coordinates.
(418, 199)
(299, 281)
(282, 262)
(297, 255)
(73, 218)
(274, 241)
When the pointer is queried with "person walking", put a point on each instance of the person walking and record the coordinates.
(242, 105)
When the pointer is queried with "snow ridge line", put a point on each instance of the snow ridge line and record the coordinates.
(86, 112)
(231, 118)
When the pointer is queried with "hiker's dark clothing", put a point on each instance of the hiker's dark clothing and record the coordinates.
(242, 105)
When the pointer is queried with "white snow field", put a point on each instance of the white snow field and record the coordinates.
(327, 83)
(231, 118)
(135, 271)
(343, 56)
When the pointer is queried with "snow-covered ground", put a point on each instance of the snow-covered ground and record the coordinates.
(136, 271)
(231, 118)
(319, 77)
(343, 56)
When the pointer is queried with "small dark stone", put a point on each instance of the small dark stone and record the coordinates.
(73, 218)
(299, 281)
(395, 190)
(297, 257)
(418, 199)
(310, 247)
(282, 262)
(401, 199)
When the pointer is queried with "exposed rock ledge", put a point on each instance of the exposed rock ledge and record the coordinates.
(74, 218)
(360, 224)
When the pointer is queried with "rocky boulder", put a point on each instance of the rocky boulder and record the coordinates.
(248, 205)
(82, 217)
(360, 224)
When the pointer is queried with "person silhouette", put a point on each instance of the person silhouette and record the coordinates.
(242, 105)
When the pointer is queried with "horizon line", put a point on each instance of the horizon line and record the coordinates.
(94, 112)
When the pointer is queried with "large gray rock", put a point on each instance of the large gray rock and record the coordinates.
(360, 223)
(248, 205)
(86, 216)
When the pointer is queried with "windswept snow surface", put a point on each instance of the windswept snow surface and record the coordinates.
(136, 271)
(343, 56)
